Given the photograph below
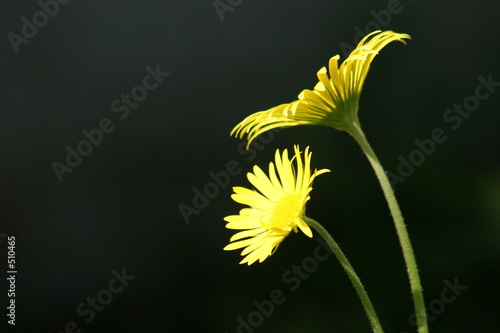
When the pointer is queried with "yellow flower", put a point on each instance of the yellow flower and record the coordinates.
(333, 101)
(275, 211)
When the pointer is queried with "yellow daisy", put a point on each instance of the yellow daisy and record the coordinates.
(275, 211)
(333, 101)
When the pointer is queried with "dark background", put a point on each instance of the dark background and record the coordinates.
(120, 207)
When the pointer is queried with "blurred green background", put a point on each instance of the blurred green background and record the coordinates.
(119, 208)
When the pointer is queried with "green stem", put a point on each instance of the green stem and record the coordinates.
(404, 239)
(365, 300)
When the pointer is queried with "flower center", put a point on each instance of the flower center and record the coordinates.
(283, 217)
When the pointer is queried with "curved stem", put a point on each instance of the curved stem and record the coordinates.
(365, 300)
(404, 239)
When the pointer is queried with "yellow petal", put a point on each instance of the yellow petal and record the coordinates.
(247, 233)
(262, 183)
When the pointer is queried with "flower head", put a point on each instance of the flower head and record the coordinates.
(277, 206)
(333, 101)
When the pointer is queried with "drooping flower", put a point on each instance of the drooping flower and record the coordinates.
(333, 101)
(276, 206)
